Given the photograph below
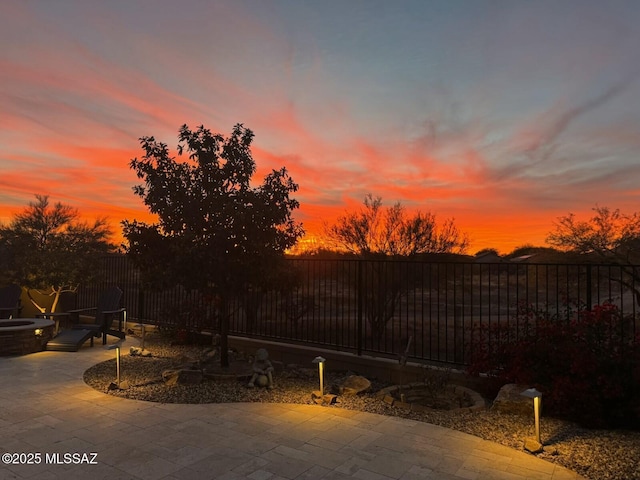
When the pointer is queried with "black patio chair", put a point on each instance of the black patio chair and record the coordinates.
(10, 301)
(100, 319)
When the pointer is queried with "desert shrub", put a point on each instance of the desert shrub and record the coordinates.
(585, 365)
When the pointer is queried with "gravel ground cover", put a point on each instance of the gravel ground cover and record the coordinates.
(595, 454)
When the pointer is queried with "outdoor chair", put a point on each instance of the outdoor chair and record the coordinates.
(10, 301)
(100, 319)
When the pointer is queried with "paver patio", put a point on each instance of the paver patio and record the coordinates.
(46, 408)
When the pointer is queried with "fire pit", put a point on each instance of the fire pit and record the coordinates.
(21, 336)
(420, 397)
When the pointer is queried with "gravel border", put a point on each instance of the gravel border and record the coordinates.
(594, 454)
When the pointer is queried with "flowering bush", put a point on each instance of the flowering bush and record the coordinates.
(586, 364)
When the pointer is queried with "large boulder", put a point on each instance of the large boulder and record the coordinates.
(353, 385)
(510, 400)
(182, 376)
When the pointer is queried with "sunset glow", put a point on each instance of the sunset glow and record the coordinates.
(502, 115)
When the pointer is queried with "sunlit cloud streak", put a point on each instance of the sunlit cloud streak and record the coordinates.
(502, 117)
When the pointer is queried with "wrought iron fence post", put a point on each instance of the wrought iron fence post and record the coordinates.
(589, 300)
(140, 305)
(458, 333)
(359, 288)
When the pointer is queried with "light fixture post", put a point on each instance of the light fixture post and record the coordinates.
(320, 361)
(536, 413)
(116, 347)
(537, 397)
(118, 366)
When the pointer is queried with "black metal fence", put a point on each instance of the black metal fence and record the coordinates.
(380, 307)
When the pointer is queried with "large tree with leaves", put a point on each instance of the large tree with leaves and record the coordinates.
(609, 235)
(216, 232)
(378, 230)
(380, 235)
(48, 248)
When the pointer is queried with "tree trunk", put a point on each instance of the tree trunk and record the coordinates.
(56, 293)
(34, 302)
(224, 332)
(56, 299)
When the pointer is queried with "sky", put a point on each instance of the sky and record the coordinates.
(503, 115)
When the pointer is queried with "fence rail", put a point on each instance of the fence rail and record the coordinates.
(378, 307)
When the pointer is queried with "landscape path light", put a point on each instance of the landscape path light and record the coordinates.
(320, 361)
(118, 385)
(537, 397)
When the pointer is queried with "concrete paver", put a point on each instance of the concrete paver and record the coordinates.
(47, 409)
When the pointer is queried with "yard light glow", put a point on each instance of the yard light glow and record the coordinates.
(320, 361)
(38, 332)
(537, 397)
(116, 347)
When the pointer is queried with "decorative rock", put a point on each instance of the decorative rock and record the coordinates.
(139, 352)
(327, 399)
(532, 445)
(210, 355)
(354, 385)
(509, 400)
(114, 386)
(182, 377)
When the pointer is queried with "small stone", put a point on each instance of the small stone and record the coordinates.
(133, 351)
(114, 386)
(532, 445)
(139, 352)
(210, 355)
(389, 399)
(327, 399)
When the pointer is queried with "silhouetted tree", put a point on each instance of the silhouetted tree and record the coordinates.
(215, 232)
(610, 235)
(392, 231)
(381, 235)
(48, 249)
